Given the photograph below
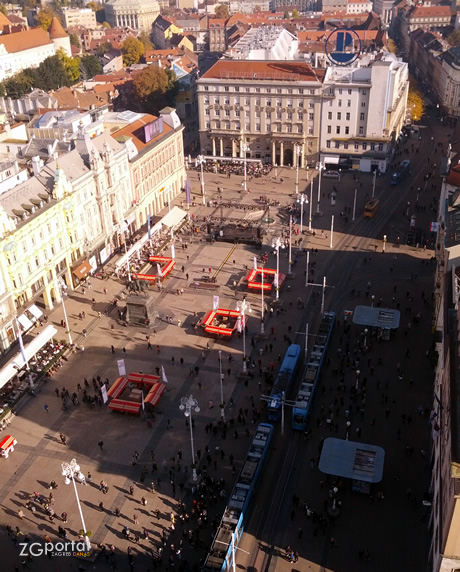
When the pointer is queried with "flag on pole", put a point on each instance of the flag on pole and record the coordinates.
(160, 273)
(275, 280)
(148, 227)
(164, 379)
(21, 343)
(255, 263)
(173, 251)
(238, 324)
(215, 302)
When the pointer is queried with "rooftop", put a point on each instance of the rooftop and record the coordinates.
(261, 70)
(28, 40)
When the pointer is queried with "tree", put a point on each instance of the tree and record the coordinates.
(454, 38)
(3, 10)
(286, 16)
(295, 13)
(106, 25)
(145, 39)
(149, 81)
(44, 17)
(51, 74)
(392, 47)
(71, 66)
(415, 102)
(75, 40)
(90, 66)
(104, 48)
(221, 11)
(18, 85)
(133, 50)
(257, 8)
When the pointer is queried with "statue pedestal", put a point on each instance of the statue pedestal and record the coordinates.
(140, 311)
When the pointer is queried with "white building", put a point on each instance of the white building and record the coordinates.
(79, 17)
(359, 6)
(23, 50)
(267, 110)
(249, 6)
(363, 111)
(136, 14)
(265, 43)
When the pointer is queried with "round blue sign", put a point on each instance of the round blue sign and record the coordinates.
(343, 46)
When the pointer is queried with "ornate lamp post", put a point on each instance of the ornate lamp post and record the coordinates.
(277, 244)
(70, 471)
(243, 307)
(187, 405)
(244, 149)
(202, 161)
(222, 409)
(297, 154)
(63, 290)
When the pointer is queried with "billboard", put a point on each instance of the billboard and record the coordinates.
(153, 129)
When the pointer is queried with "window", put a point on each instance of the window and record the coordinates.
(380, 147)
(227, 113)
(206, 100)
(363, 104)
(289, 116)
(257, 113)
(347, 130)
(348, 102)
(310, 131)
(329, 129)
(339, 116)
(268, 90)
(337, 145)
(361, 116)
(364, 92)
(217, 124)
(216, 111)
(237, 100)
(237, 113)
(247, 127)
(289, 102)
(237, 125)
(246, 113)
(347, 116)
(311, 105)
(278, 102)
(300, 104)
(339, 102)
(237, 88)
(329, 115)
(289, 128)
(206, 88)
(311, 116)
(216, 100)
(257, 89)
(226, 88)
(300, 116)
(299, 129)
(337, 130)
(356, 146)
(290, 90)
(372, 146)
(328, 144)
(340, 91)
(312, 92)
(226, 101)
(257, 126)
(300, 90)
(279, 115)
(345, 145)
(268, 115)
(206, 111)
(278, 128)
(207, 125)
(361, 130)
(258, 101)
(279, 90)
(268, 102)
(349, 92)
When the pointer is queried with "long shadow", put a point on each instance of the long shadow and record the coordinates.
(43, 484)
(23, 495)
(115, 531)
(51, 438)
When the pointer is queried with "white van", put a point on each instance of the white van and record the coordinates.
(332, 175)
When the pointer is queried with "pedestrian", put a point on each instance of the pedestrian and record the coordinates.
(117, 512)
(20, 514)
(131, 490)
(135, 519)
(64, 517)
(113, 349)
(89, 477)
(101, 506)
(144, 501)
(45, 407)
(101, 444)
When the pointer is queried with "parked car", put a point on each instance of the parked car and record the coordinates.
(332, 175)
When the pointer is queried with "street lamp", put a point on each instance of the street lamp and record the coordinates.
(244, 149)
(187, 405)
(321, 167)
(297, 154)
(354, 205)
(70, 471)
(366, 331)
(373, 184)
(302, 199)
(242, 307)
(277, 244)
(201, 160)
(123, 229)
(372, 300)
(311, 204)
(384, 242)
(290, 245)
(63, 290)
(357, 373)
(222, 411)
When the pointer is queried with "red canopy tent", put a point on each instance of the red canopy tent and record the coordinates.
(127, 393)
(222, 322)
(254, 279)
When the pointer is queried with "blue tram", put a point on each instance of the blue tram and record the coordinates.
(227, 537)
(312, 372)
(283, 382)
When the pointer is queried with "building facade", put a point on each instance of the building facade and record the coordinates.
(79, 17)
(138, 15)
(23, 50)
(264, 110)
(363, 111)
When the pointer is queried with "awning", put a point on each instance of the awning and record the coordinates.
(36, 312)
(17, 362)
(83, 270)
(331, 160)
(25, 322)
(174, 217)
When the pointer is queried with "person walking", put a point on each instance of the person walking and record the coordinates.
(135, 519)
(101, 444)
(45, 407)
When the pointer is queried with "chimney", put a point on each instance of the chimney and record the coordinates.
(36, 165)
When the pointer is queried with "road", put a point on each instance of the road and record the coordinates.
(380, 527)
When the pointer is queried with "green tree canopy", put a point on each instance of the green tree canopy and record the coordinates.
(145, 39)
(132, 50)
(454, 38)
(51, 74)
(75, 40)
(71, 66)
(152, 89)
(415, 102)
(44, 17)
(149, 81)
(18, 85)
(3, 10)
(295, 13)
(221, 11)
(104, 48)
(90, 66)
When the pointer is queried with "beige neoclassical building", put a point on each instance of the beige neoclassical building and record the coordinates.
(136, 14)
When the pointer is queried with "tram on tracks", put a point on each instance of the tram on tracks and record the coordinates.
(227, 537)
(283, 382)
(312, 372)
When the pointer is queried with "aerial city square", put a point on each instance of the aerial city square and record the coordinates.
(229, 298)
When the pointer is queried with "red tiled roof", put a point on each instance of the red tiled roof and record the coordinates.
(28, 40)
(430, 11)
(136, 131)
(261, 70)
(56, 30)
